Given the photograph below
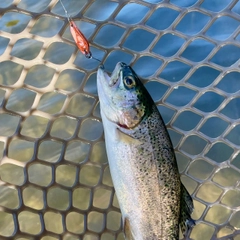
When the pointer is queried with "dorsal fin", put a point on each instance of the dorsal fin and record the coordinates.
(186, 222)
(127, 230)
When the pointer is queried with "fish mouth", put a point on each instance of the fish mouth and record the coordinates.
(107, 86)
(115, 77)
(112, 82)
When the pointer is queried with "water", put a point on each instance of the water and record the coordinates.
(55, 180)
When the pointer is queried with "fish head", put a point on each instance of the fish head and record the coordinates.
(123, 98)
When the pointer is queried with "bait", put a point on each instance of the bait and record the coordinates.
(79, 38)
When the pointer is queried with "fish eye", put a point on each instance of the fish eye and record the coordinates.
(129, 82)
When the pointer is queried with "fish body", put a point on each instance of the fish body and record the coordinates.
(142, 162)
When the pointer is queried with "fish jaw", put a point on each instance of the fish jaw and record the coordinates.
(105, 92)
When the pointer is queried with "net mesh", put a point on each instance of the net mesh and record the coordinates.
(55, 181)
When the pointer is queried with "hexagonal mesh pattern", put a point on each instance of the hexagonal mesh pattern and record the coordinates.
(55, 181)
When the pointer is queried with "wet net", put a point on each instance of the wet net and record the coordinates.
(55, 181)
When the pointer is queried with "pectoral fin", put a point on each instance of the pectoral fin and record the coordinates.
(126, 138)
(127, 230)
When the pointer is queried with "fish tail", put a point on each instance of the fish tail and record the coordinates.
(186, 222)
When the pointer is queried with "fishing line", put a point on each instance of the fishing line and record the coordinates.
(65, 10)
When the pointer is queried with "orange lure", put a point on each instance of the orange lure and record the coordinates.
(80, 39)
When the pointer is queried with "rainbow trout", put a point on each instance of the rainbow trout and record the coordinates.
(152, 199)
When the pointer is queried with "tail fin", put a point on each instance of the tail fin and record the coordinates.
(186, 222)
